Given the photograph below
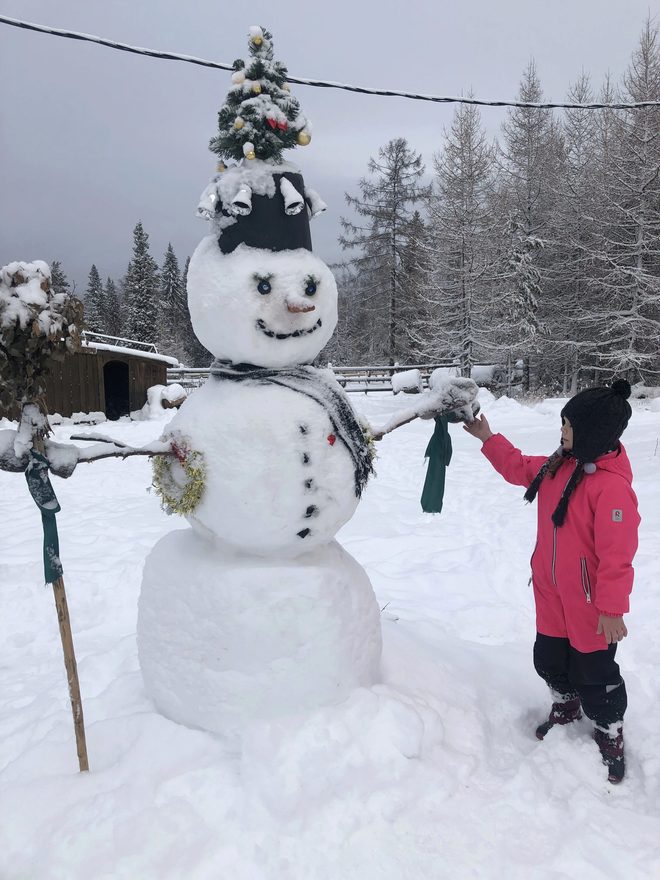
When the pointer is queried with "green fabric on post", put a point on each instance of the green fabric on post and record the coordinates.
(438, 453)
(42, 492)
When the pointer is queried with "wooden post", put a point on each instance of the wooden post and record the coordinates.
(71, 672)
(66, 636)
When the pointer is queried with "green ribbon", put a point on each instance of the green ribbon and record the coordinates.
(438, 453)
(42, 492)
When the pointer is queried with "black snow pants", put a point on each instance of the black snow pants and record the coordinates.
(594, 677)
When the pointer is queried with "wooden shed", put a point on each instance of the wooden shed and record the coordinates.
(103, 377)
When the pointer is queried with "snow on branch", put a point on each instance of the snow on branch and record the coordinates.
(455, 396)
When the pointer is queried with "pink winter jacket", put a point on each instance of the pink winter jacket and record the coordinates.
(583, 568)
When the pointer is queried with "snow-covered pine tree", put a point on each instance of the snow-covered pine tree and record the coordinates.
(572, 327)
(518, 305)
(462, 229)
(530, 158)
(418, 314)
(141, 285)
(260, 117)
(59, 283)
(628, 235)
(354, 340)
(173, 307)
(387, 203)
(112, 309)
(94, 307)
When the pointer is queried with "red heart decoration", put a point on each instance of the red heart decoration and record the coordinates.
(331, 439)
(282, 126)
(272, 123)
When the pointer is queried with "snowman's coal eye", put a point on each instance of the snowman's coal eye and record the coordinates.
(310, 287)
(263, 286)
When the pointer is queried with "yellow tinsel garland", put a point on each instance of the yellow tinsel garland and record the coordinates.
(176, 497)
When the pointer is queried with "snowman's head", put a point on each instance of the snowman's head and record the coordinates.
(269, 308)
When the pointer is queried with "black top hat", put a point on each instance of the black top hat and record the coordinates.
(277, 223)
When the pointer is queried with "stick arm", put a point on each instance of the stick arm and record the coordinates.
(454, 396)
(63, 458)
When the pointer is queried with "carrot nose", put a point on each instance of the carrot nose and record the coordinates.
(296, 307)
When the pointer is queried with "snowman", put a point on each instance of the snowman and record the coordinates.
(256, 611)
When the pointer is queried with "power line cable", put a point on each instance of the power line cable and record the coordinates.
(318, 83)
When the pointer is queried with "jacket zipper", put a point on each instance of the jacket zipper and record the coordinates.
(586, 584)
(531, 562)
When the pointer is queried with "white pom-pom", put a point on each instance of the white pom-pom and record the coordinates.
(241, 204)
(590, 468)
(293, 201)
(238, 77)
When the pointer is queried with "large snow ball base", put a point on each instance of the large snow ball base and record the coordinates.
(234, 638)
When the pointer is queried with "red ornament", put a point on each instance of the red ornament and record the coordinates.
(282, 126)
(272, 123)
(331, 439)
(180, 453)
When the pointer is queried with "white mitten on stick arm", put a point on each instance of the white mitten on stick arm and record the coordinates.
(9, 460)
(451, 397)
(455, 396)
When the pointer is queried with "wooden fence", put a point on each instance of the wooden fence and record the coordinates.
(356, 379)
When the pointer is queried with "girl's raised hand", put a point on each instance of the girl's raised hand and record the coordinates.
(479, 428)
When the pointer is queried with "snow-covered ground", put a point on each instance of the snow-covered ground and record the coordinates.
(435, 773)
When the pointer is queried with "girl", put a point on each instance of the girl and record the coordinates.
(582, 563)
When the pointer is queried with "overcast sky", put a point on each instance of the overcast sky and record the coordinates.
(92, 139)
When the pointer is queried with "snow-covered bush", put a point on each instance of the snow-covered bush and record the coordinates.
(440, 375)
(36, 326)
(159, 398)
(409, 381)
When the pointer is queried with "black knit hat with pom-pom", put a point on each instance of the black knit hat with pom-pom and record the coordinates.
(598, 417)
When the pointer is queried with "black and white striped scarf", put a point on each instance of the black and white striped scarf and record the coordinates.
(310, 382)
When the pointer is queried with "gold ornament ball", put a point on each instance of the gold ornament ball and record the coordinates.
(220, 167)
(286, 87)
(303, 138)
(238, 123)
(251, 155)
(256, 88)
(257, 41)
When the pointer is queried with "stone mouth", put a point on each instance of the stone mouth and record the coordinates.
(261, 325)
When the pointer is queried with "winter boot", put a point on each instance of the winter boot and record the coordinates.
(562, 712)
(611, 751)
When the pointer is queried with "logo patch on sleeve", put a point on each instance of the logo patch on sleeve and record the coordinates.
(617, 515)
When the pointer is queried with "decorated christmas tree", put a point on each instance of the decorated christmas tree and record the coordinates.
(260, 116)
